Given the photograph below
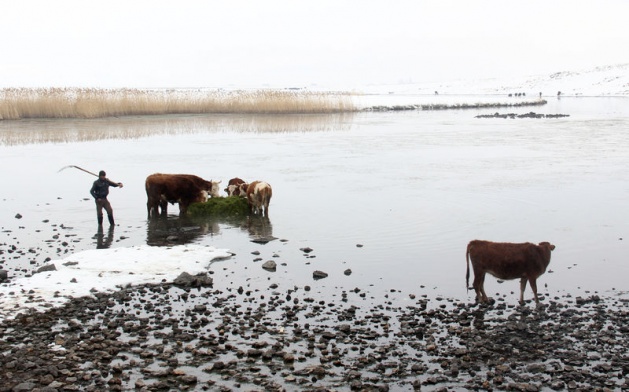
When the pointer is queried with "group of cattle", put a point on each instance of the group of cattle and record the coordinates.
(186, 189)
(525, 261)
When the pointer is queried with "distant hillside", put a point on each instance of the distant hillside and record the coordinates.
(611, 80)
(600, 81)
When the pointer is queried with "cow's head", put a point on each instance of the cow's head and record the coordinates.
(214, 190)
(547, 245)
(546, 248)
(232, 190)
(242, 189)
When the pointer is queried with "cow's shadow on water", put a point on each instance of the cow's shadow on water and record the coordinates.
(175, 230)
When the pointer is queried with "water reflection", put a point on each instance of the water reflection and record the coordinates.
(183, 230)
(37, 131)
(102, 241)
(178, 230)
(260, 228)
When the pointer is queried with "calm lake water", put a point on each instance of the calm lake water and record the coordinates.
(411, 188)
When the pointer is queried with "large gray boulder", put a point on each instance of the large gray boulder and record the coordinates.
(199, 280)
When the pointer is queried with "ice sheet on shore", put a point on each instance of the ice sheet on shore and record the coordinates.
(103, 270)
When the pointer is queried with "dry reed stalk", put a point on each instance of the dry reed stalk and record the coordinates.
(25, 103)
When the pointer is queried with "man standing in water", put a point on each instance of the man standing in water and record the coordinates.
(100, 190)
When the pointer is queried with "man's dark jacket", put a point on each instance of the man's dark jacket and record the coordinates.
(100, 188)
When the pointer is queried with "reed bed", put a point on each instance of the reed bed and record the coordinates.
(88, 103)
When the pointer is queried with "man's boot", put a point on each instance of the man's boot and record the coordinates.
(100, 220)
(111, 219)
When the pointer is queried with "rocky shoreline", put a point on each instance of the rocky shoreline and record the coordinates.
(454, 106)
(191, 335)
(525, 115)
(168, 337)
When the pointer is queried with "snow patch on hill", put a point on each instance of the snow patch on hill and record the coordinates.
(610, 80)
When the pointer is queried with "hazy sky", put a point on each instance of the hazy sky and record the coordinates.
(187, 43)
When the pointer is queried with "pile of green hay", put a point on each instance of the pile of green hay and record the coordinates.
(224, 207)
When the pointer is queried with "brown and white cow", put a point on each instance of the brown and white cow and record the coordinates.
(234, 187)
(258, 197)
(504, 260)
(184, 189)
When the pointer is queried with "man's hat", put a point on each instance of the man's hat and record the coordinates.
(101, 173)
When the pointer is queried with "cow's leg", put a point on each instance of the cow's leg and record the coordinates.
(257, 201)
(533, 283)
(522, 288)
(479, 279)
(267, 202)
(482, 289)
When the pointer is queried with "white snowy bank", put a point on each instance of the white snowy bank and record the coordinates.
(103, 270)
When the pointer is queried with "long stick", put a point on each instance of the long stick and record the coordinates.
(80, 168)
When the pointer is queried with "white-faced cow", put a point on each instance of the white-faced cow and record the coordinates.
(258, 197)
(184, 189)
(507, 261)
(234, 187)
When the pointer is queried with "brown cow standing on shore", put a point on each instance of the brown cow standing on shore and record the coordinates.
(234, 187)
(507, 261)
(184, 189)
(258, 197)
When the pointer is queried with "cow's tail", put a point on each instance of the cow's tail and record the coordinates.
(467, 274)
(148, 198)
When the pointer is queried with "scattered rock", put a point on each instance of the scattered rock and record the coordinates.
(263, 240)
(46, 268)
(525, 115)
(420, 343)
(199, 280)
(270, 265)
